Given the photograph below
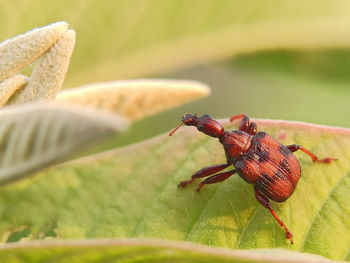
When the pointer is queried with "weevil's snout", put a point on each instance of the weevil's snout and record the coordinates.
(188, 119)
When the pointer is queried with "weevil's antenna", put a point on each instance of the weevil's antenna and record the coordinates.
(175, 129)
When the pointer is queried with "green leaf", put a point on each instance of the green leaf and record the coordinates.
(131, 192)
(36, 136)
(133, 250)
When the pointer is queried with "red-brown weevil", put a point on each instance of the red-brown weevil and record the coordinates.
(259, 159)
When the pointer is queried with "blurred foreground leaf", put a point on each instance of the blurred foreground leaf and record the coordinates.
(134, 250)
(33, 137)
(135, 99)
(131, 192)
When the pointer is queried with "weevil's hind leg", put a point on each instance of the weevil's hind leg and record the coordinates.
(204, 172)
(266, 203)
(246, 125)
(216, 178)
(295, 147)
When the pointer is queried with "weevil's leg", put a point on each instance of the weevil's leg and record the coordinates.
(204, 172)
(246, 125)
(294, 147)
(266, 203)
(216, 178)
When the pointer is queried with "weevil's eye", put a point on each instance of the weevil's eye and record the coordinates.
(188, 117)
(206, 115)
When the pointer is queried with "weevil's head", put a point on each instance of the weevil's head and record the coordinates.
(203, 123)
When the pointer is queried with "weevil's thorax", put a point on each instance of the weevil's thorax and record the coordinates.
(235, 144)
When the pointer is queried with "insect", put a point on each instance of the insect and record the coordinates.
(258, 158)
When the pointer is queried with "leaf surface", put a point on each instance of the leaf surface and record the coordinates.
(131, 192)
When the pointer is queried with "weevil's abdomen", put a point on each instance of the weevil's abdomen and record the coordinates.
(270, 167)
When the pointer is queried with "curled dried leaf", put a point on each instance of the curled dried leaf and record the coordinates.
(135, 99)
(8, 87)
(48, 75)
(22, 50)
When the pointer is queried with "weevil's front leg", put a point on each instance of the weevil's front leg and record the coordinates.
(204, 172)
(216, 178)
(295, 147)
(266, 203)
(246, 125)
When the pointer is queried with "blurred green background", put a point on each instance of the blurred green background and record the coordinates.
(270, 59)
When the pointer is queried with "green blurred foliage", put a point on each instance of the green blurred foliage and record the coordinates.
(302, 86)
(328, 65)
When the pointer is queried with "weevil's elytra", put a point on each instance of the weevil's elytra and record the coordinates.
(259, 159)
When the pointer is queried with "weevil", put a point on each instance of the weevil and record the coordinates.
(259, 159)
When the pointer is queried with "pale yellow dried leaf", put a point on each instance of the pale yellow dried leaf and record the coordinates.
(135, 99)
(9, 86)
(20, 51)
(49, 73)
